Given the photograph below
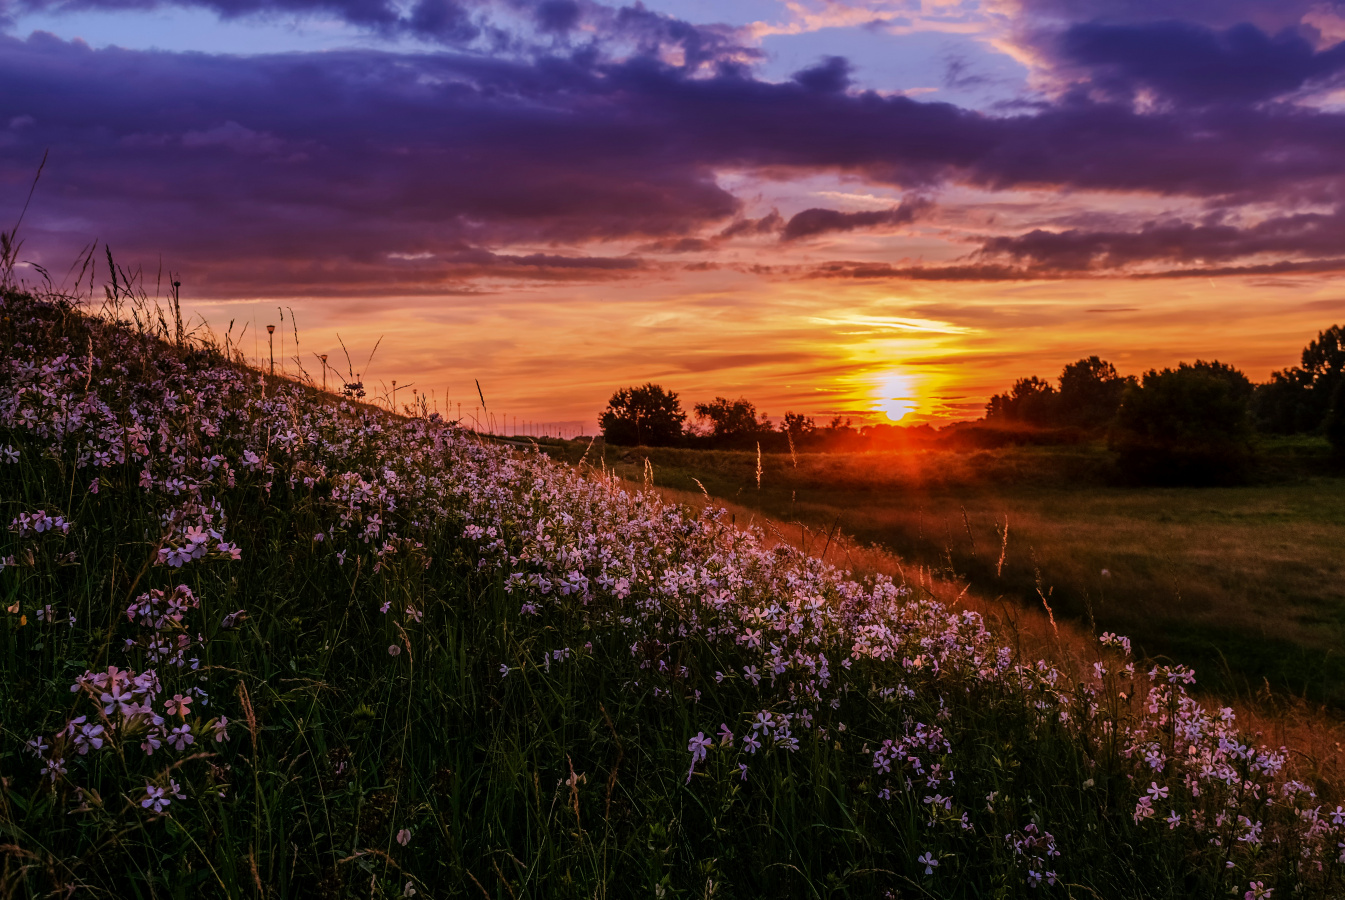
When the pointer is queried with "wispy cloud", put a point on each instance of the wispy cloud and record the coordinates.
(878, 324)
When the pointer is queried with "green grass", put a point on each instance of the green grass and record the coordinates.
(1245, 583)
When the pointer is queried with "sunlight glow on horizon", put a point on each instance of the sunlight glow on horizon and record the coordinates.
(898, 395)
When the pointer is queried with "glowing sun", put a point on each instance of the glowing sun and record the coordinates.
(897, 409)
(895, 395)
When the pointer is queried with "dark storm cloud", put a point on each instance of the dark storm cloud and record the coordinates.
(815, 221)
(344, 157)
(1195, 65)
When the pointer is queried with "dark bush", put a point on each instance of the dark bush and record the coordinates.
(1187, 425)
(1334, 426)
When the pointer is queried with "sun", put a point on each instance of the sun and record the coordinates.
(898, 408)
(895, 394)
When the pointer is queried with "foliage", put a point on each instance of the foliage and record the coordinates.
(798, 426)
(319, 650)
(1334, 425)
(1090, 393)
(643, 416)
(1187, 425)
(1298, 399)
(1030, 400)
(1088, 397)
(733, 419)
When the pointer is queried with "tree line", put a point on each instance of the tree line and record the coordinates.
(1185, 424)
(651, 416)
(1189, 423)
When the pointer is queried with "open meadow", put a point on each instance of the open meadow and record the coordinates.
(1245, 583)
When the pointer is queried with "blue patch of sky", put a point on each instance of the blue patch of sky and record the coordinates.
(948, 67)
(177, 29)
(717, 12)
(960, 68)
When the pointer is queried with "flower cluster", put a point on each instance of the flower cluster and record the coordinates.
(35, 523)
(1035, 849)
(126, 707)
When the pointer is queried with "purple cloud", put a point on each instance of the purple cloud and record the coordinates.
(514, 25)
(1274, 15)
(1302, 235)
(326, 166)
(444, 21)
(1195, 65)
(812, 222)
(830, 76)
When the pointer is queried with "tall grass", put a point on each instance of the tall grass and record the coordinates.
(414, 664)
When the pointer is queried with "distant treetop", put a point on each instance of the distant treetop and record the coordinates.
(1089, 394)
(646, 415)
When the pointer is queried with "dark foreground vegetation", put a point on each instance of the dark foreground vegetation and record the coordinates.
(261, 642)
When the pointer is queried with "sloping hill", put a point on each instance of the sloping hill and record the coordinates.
(260, 641)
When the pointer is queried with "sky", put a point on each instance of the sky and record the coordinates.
(864, 209)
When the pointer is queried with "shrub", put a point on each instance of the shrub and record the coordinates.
(1185, 426)
(1334, 425)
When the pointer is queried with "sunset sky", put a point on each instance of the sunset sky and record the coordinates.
(828, 208)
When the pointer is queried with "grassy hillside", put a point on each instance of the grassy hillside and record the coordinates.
(259, 642)
(1244, 582)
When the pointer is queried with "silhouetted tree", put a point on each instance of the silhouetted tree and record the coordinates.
(798, 425)
(839, 426)
(1283, 405)
(1090, 393)
(1030, 401)
(1298, 399)
(1187, 425)
(733, 419)
(646, 415)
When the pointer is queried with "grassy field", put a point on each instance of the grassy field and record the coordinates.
(1245, 583)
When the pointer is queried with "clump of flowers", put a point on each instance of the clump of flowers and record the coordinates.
(125, 708)
(1035, 850)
